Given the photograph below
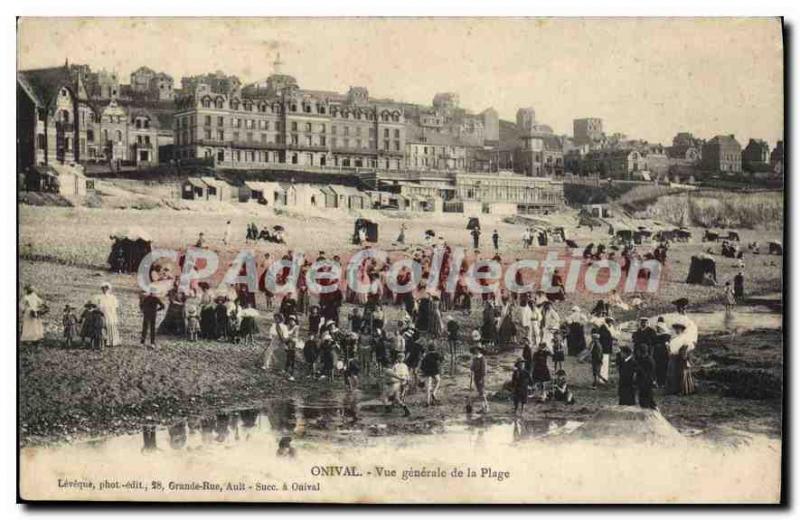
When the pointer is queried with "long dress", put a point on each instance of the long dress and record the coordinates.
(32, 327)
(576, 339)
(109, 305)
(686, 383)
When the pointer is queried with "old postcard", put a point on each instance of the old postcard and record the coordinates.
(400, 260)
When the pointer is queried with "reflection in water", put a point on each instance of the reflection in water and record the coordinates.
(149, 436)
(177, 435)
(276, 424)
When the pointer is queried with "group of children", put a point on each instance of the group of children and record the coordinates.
(88, 328)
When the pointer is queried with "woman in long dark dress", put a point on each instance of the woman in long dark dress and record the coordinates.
(661, 353)
(489, 326)
(679, 372)
(541, 372)
(174, 320)
(576, 338)
(686, 386)
(645, 376)
(507, 329)
(626, 367)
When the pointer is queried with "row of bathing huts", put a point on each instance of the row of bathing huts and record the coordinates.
(294, 195)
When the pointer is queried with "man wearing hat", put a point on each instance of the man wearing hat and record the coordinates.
(478, 369)
(150, 304)
(644, 335)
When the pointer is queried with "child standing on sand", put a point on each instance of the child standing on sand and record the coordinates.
(70, 322)
(193, 324)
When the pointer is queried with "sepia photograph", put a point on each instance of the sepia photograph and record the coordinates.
(400, 260)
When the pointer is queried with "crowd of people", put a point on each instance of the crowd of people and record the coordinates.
(429, 337)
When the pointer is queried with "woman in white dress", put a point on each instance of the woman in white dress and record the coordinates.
(32, 309)
(109, 305)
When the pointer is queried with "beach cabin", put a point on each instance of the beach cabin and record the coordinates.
(262, 192)
(331, 197)
(193, 188)
(306, 196)
(217, 189)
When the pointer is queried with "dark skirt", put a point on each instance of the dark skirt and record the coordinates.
(576, 340)
(208, 322)
(173, 323)
(627, 395)
(248, 326)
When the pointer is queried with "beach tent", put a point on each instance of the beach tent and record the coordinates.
(370, 227)
(699, 267)
(128, 249)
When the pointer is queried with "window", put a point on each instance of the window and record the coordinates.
(397, 146)
(236, 136)
(334, 142)
(308, 140)
(322, 140)
(385, 132)
(206, 103)
(249, 123)
(264, 138)
(333, 129)
(347, 130)
(307, 109)
(397, 133)
(322, 128)
(207, 122)
(220, 121)
(294, 126)
(221, 135)
(208, 134)
(308, 127)
(386, 145)
(90, 136)
(358, 143)
(119, 136)
(41, 141)
(250, 136)
(358, 130)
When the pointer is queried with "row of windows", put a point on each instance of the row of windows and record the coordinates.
(306, 108)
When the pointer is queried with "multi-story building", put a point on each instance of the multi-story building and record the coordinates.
(530, 148)
(755, 156)
(61, 122)
(277, 122)
(587, 130)
(723, 153)
(614, 163)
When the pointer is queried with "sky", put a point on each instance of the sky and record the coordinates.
(648, 78)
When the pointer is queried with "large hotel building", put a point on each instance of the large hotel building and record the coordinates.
(276, 122)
